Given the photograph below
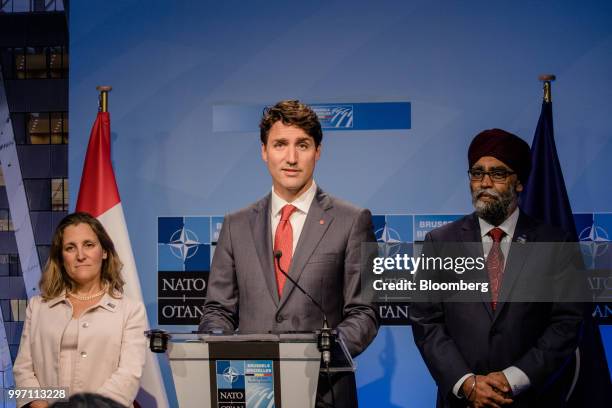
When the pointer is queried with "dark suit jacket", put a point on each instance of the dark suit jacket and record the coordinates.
(539, 338)
(242, 291)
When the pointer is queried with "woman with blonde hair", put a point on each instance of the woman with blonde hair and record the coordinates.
(81, 333)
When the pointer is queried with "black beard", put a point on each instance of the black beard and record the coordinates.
(494, 212)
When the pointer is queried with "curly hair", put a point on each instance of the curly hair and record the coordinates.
(55, 280)
(294, 113)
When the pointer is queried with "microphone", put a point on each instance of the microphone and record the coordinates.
(324, 340)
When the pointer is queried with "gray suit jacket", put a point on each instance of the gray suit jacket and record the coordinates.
(242, 291)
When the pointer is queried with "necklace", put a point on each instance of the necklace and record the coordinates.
(87, 297)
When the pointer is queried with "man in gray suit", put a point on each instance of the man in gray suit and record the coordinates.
(320, 239)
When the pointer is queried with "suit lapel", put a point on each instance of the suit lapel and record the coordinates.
(262, 238)
(470, 237)
(516, 258)
(311, 235)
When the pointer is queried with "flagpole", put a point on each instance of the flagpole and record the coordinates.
(547, 79)
(99, 196)
(103, 98)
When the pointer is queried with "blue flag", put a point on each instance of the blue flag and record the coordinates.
(545, 198)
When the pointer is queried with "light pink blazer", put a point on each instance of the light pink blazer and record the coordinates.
(111, 347)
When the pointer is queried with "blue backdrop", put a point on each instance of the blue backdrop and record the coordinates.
(463, 66)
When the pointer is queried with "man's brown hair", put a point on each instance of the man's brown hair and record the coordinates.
(293, 113)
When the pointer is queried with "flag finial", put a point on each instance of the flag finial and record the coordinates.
(547, 79)
(103, 98)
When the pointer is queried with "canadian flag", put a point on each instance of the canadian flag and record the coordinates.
(99, 196)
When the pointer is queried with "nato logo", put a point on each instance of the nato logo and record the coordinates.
(334, 116)
(230, 374)
(183, 243)
(392, 233)
(392, 228)
(594, 239)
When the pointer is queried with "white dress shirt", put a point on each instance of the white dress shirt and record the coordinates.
(508, 226)
(517, 379)
(297, 219)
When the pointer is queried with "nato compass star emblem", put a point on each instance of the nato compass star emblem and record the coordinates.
(184, 244)
(593, 242)
(230, 374)
(391, 239)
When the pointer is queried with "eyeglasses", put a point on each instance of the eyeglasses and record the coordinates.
(497, 175)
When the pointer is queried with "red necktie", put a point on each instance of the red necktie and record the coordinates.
(283, 241)
(495, 264)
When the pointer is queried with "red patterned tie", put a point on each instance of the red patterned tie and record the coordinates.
(495, 264)
(283, 241)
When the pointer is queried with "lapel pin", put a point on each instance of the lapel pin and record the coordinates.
(321, 222)
(522, 239)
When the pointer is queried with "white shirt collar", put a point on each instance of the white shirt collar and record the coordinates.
(508, 226)
(302, 203)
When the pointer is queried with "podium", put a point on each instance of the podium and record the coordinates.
(250, 370)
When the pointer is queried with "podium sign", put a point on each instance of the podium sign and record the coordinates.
(245, 371)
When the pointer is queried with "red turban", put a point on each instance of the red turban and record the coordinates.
(510, 149)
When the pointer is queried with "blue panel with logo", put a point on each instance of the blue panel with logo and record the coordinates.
(183, 243)
(333, 116)
(364, 116)
(230, 374)
(594, 239)
(245, 383)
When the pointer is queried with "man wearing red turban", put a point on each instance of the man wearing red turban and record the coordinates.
(493, 352)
